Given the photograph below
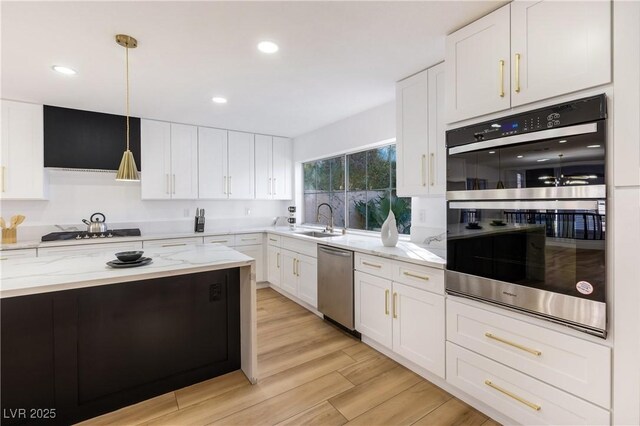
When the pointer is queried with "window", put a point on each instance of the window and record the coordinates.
(359, 187)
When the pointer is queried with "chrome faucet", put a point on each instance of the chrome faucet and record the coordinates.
(329, 227)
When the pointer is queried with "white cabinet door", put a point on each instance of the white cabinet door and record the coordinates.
(418, 327)
(241, 177)
(184, 162)
(437, 150)
(264, 167)
(307, 271)
(155, 161)
(273, 265)
(373, 308)
(558, 47)
(212, 163)
(289, 279)
(411, 135)
(282, 169)
(22, 153)
(477, 59)
(16, 254)
(256, 252)
(173, 242)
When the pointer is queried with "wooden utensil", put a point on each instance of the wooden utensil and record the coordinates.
(21, 219)
(13, 222)
(3, 224)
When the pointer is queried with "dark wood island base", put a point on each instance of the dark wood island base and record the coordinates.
(75, 354)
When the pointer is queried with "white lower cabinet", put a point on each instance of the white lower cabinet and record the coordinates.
(407, 320)
(516, 395)
(225, 240)
(17, 254)
(292, 269)
(307, 272)
(89, 249)
(173, 242)
(257, 253)
(289, 279)
(274, 271)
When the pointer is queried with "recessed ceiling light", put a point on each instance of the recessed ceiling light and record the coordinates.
(520, 156)
(63, 70)
(593, 146)
(562, 141)
(219, 100)
(267, 47)
(542, 160)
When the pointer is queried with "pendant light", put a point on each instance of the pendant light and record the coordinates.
(127, 170)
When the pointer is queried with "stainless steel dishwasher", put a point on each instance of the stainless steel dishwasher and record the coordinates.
(335, 285)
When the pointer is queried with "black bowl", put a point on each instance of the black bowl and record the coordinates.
(129, 256)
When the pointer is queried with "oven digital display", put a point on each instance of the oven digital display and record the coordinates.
(507, 127)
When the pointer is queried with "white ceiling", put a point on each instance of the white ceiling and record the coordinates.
(336, 58)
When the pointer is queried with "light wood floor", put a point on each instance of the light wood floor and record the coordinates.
(310, 373)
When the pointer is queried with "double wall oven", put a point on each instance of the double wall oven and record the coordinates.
(526, 203)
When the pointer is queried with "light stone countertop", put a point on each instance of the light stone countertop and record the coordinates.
(26, 276)
(405, 250)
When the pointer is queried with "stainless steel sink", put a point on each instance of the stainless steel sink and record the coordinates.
(316, 234)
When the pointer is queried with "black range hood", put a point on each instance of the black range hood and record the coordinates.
(76, 139)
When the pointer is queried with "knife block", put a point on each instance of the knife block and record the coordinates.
(9, 236)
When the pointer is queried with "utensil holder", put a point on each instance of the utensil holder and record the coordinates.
(9, 236)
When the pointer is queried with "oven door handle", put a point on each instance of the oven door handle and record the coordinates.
(526, 205)
(562, 132)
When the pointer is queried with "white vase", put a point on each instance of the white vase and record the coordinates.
(389, 231)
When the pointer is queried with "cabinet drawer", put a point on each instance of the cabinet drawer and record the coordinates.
(90, 248)
(173, 242)
(374, 265)
(569, 363)
(226, 240)
(422, 277)
(299, 246)
(518, 396)
(274, 240)
(248, 239)
(17, 254)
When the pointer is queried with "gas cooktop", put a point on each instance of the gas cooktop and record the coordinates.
(83, 235)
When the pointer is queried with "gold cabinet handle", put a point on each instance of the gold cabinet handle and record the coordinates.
(248, 239)
(174, 245)
(386, 302)
(513, 395)
(278, 260)
(431, 173)
(373, 265)
(420, 277)
(424, 175)
(297, 267)
(517, 73)
(501, 92)
(218, 241)
(395, 305)
(515, 345)
(273, 239)
(294, 267)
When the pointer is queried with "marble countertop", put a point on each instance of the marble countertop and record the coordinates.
(26, 276)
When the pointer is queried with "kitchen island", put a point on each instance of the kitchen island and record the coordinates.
(80, 338)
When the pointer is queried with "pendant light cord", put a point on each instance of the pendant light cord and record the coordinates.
(127, 77)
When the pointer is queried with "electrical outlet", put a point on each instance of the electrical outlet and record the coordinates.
(422, 215)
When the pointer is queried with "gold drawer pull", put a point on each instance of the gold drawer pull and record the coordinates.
(512, 395)
(373, 265)
(517, 73)
(273, 239)
(386, 302)
(218, 241)
(501, 66)
(395, 305)
(248, 239)
(174, 245)
(515, 345)
(420, 277)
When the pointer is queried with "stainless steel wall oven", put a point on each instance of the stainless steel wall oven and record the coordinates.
(526, 204)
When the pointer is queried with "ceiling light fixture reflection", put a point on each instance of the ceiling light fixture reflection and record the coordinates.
(563, 141)
(593, 146)
(268, 47)
(219, 100)
(520, 156)
(542, 160)
(492, 152)
(63, 70)
(495, 126)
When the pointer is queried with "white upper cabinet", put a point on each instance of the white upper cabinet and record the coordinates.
(273, 168)
(184, 161)
(22, 153)
(524, 52)
(420, 133)
(212, 163)
(477, 67)
(169, 160)
(558, 47)
(241, 177)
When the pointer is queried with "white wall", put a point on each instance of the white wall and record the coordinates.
(361, 131)
(76, 195)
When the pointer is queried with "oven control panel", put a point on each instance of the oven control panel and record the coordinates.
(575, 112)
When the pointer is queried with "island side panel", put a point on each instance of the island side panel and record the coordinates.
(248, 322)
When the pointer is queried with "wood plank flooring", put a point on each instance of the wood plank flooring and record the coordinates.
(310, 373)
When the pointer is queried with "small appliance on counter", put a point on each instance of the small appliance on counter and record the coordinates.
(199, 221)
(83, 235)
(10, 233)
